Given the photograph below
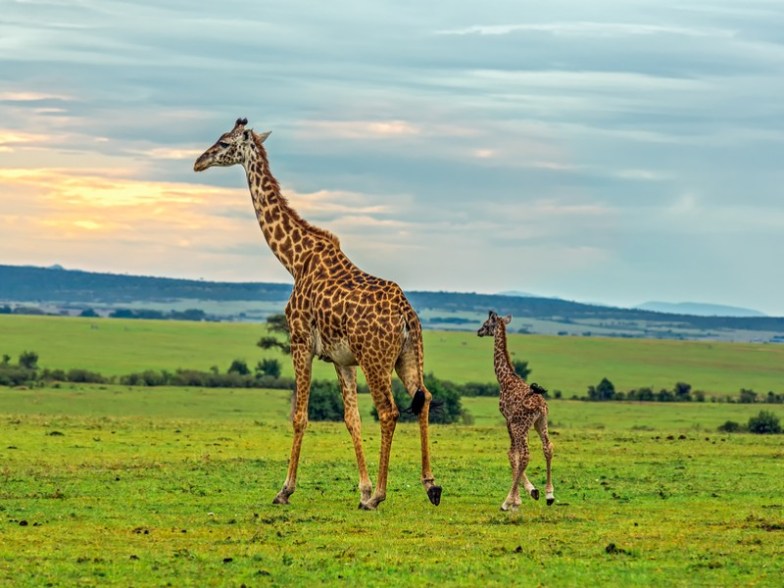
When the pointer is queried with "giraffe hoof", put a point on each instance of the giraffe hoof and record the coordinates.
(550, 501)
(280, 499)
(366, 506)
(434, 494)
(535, 494)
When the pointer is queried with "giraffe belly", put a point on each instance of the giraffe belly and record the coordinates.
(338, 352)
(341, 354)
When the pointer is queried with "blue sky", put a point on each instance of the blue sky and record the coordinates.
(612, 151)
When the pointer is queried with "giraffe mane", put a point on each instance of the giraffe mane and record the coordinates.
(317, 230)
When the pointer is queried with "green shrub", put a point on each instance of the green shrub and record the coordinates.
(445, 408)
(765, 423)
(326, 401)
(730, 427)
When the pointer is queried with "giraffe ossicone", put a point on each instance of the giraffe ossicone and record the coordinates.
(336, 312)
(523, 406)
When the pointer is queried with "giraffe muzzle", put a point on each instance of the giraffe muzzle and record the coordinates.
(201, 164)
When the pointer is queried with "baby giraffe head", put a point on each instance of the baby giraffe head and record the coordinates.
(231, 148)
(493, 320)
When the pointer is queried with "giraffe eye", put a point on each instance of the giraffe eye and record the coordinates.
(223, 144)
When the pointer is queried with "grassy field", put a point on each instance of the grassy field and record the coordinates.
(569, 364)
(110, 485)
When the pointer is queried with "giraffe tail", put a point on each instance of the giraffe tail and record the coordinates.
(414, 328)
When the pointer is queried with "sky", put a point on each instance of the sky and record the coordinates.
(612, 152)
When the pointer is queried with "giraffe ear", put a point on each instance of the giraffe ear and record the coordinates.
(263, 136)
(508, 319)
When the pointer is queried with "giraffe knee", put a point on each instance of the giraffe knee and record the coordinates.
(388, 415)
(300, 422)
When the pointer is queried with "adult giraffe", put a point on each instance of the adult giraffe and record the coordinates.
(338, 313)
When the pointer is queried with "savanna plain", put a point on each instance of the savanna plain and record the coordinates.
(111, 485)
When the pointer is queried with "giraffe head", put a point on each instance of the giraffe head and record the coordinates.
(231, 148)
(488, 328)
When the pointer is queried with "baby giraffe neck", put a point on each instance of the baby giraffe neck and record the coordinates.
(501, 360)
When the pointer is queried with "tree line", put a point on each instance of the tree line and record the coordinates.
(326, 399)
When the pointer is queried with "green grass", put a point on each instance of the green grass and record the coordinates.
(110, 485)
(569, 364)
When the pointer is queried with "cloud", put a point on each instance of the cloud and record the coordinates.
(564, 137)
(591, 29)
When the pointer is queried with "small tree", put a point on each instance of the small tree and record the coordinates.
(28, 360)
(521, 368)
(269, 367)
(603, 391)
(239, 366)
(682, 392)
(277, 325)
(765, 423)
(747, 396)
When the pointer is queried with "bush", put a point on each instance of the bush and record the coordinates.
(239, 366)
(445, 408)
(326, 401)
(84, 376)
(765, 423)
(604, 391)
(269, 367)
(479, 389)
(16, 376)
(730, 427)
(28, 360)
(521, 368)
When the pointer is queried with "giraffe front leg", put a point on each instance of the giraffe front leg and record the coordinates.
(302, 366)
(348, 385)
(514, 493)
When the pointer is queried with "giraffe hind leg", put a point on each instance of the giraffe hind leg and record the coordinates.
(408, 371)
(547, 447)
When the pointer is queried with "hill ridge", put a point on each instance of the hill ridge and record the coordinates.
(66, 289)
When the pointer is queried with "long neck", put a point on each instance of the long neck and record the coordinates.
(501, 360)
(288, 235)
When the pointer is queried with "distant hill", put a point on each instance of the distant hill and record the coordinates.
(25, 289)
(516, 293)
(699, 309)
(55, 284)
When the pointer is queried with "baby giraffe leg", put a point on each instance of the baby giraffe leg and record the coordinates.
(513, 498)
(547, 446)
(530, 489)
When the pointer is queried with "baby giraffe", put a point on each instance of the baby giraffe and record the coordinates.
(522, 406)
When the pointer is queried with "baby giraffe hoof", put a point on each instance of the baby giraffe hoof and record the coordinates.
(550, 501)
(366, 506)
(535, 494)
(434, 494)
(280, 499)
